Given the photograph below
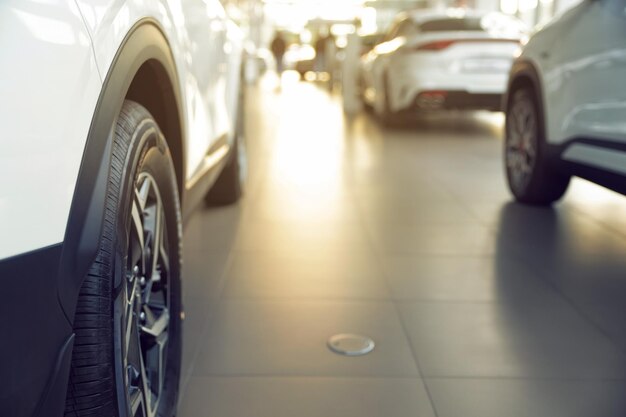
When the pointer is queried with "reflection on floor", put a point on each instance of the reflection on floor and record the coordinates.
(479, 307)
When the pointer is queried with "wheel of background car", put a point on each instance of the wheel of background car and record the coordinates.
(362, 85)
(388, 117)
(229, 186)
(126, 359)
(530, 177)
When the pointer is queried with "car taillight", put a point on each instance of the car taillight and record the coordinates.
(434, 46)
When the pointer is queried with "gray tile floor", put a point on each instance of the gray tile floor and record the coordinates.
(479, 307)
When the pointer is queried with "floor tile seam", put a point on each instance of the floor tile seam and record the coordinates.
(488, 253)
(523, 378)
(208, 322)
(403, 302)
(285, 298)
(305, 376)
(598, 222)
(415, 356)
(388, 254)
(278, 253)
(288, 300)
(381, 266)
(358, 300)
(544, 276)
(194, 359)
(455, 197)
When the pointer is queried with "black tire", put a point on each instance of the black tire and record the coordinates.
(389, 117)
(530, 172)
(115, 294)
(228, 188)
(367, 106)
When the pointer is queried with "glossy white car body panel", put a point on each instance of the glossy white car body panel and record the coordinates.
(582, 79)
(201, 42)
(49, 84)
(55, 57)
(478, 63)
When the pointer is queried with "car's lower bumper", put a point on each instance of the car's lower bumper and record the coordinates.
(457, 100)
(457, 90)
(36, 337)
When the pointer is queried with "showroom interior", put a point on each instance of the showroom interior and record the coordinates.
(475, 305)
(313, 208)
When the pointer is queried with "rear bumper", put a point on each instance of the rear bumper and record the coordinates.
(463, 91)
(457, 100)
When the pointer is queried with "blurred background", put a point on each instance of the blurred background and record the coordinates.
(303, 22)
(368, 210)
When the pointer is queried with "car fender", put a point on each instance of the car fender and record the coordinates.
(145, 43)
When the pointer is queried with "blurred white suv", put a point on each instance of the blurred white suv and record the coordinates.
(117, 117)
(566, 105)
(431, 60)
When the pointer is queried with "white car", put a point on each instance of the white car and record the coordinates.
(566, 105)
(431, 60)
(117, 118)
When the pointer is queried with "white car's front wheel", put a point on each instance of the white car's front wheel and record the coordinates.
(530, 176)
(126, 359)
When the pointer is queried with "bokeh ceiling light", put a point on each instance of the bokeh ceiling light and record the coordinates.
(298, 12)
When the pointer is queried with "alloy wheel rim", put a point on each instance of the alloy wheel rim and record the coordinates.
(147, 300)
(521, 143)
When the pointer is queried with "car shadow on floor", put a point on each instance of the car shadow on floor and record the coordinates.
(581, 260)
(468, 123)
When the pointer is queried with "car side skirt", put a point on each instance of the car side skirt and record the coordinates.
(597, 160)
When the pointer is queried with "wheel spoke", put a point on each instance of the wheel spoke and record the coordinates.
(155, 326)
(137, 243)
(521, 142)
(157, 236)
(130, 320)
(142, 192)
(137, 403)
(147, 301)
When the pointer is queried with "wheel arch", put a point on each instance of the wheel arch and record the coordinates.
(153, 88)
(143, 70)
(524, 73)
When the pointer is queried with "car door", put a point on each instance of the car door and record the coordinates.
(586, 90)
(206, 61)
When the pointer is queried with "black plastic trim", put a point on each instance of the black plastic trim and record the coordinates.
(33, 332)
(464, 100)
(611, 180)
(49, 404)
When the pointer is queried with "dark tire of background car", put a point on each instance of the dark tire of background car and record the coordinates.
(546, 185)
(389, 117)
(97, 386)
(228, 188)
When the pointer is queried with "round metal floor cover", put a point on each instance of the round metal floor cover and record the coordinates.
(351, 344)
